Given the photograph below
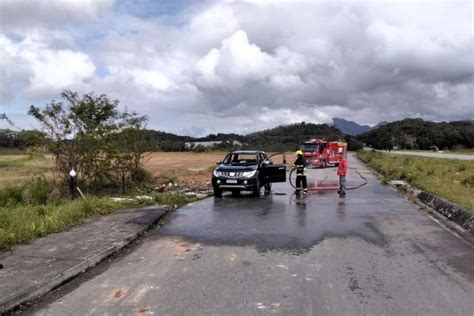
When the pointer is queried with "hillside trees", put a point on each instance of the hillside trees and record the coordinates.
(287, 137)
(420, 134)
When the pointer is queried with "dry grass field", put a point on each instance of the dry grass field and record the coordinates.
(188, 168)
(17, 169)
(183, 167)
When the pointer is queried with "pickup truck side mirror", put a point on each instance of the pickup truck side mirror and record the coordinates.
(266, 163)
(218, 162)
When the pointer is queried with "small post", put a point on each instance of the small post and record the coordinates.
(72, 183)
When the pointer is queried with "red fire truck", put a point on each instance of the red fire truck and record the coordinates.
(320, 152)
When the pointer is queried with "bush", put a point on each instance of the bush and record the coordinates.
(468, 182)
(37, 191)
(172, 199)
(11, 195)
(140, 175)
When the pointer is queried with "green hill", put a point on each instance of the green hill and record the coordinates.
(420, 134)
(287, 137)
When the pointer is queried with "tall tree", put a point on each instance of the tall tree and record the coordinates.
(81, 134)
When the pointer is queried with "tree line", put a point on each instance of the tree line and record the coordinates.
(420, 134)
(96, 121)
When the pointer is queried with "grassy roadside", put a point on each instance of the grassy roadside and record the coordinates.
(21, 222)
(451, 179)
(465, 151)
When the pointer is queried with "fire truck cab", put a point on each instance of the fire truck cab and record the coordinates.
(321, 153)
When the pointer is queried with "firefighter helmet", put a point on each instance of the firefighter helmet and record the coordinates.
(299, 153)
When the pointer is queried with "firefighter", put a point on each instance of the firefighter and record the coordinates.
(342, 171)
(299, 165)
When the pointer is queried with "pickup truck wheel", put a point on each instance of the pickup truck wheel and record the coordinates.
(217, 193)
(256, 189)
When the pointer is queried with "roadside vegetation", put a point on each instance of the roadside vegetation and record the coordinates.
(464, 151)
(451, 179)
(105, 146)
(34, 209)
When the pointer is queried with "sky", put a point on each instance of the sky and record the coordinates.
(201, 67)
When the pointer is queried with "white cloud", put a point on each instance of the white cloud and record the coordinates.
(238, 61)
(240, 66)
(145, 79)
(27, 14)
(41, 70)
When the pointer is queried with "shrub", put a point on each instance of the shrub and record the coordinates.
(37, 191)
(11, 195)
(171, 199)
(171, 179)
(462, 168)
(141, 175)
(468, 182)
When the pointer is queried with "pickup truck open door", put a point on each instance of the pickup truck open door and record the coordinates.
(274, 172)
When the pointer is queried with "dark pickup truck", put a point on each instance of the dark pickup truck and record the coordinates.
(247, 170)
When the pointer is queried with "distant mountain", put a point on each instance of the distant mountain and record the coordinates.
(350, 127)
(379, 125)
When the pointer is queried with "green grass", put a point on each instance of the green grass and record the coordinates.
(464, 151)
(22, 220)
(30, 206)
(451, 179)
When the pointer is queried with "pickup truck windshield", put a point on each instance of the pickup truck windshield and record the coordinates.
(241, 159)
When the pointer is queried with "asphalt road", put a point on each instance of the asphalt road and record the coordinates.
(433, 154)
(370, 253)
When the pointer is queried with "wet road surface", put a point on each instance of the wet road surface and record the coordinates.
(370, 253)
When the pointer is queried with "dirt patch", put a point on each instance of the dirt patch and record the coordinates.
(184, 168)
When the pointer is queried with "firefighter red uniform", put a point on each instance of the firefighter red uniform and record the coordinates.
(341, 172)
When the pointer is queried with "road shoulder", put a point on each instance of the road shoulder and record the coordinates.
(449, 214)
(33, 270)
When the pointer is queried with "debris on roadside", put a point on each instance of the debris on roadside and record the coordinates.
(143, 197)
(137, 197)
(397, 183)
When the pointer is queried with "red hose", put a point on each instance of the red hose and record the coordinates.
(333, 189)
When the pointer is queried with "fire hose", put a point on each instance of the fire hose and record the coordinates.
(332, 189)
